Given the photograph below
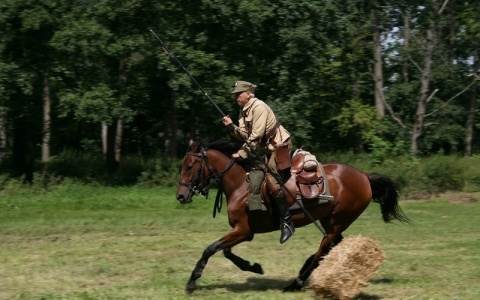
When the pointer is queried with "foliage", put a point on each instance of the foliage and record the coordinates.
(89, 168)
(97, 105)
(406, 173)
(163, 172)
(383, 150)
(413, 176)
(471, 174)
(443, 174)
(360, 120)
(312, 62)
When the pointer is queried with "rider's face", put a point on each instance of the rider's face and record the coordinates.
(242, 98)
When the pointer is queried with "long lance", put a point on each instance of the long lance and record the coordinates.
(174, 58)
(277, 176)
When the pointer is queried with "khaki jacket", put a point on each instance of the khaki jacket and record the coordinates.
(255, 121)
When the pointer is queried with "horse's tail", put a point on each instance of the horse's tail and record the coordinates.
(385, 193)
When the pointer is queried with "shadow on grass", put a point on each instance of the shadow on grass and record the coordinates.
(265, 284)
(252, 284)
(381, 281)
(364, 296)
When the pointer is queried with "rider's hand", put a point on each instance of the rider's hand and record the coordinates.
(237, 157)
(227, 120)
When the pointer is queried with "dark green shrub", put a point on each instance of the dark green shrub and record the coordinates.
(128, 172)
(73, 164)
(405, 171)
(443, 173)
(161, 171)
(472, 173)
(359, 161)
(90, 168)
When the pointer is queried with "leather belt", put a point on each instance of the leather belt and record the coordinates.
(271, 132)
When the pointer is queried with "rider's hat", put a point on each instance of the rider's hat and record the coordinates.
(243, 86)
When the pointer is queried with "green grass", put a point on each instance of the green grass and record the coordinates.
(87, 242)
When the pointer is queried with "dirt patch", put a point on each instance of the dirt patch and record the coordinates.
(453, 197)
(462, 198)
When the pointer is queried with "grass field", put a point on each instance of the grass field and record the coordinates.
(85, 242)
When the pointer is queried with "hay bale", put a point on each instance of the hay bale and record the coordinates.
(347, 268)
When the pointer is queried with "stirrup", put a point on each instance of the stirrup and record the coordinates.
(286, 234)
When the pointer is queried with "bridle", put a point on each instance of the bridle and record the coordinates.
(201, 183)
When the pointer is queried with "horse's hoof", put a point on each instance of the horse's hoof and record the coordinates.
(296, 285)
(191, 286)
(257, 268)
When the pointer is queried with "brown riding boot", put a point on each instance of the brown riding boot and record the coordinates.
(286, 224)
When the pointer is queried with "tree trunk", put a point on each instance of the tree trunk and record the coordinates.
(116, 149)
(172, 138)
(424, 90)
(47, 102)
(104, 138)
(3, 136)
(118, 140)
(406, 45)
(378, 67)
(472, 107)
(111, 161)
(23, 161)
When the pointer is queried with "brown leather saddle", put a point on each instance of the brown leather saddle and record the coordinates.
(308, 182)
(308, 174)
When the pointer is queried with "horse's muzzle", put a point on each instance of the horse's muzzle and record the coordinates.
(184, 198)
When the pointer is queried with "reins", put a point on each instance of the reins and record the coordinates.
(219, 198)
(203, 188)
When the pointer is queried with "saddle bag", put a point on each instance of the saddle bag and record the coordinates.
(282, 156)
(309, 184)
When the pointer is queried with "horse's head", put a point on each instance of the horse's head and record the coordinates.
(192, 174)
(198, 169)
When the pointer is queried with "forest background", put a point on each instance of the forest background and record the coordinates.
(86, 91)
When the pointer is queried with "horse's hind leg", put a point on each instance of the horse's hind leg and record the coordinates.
(309, 263)
(328, 242)
(244, 265)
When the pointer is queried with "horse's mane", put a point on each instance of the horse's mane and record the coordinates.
(230, 147)
(226, 147)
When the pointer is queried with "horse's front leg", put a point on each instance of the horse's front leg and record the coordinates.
(237, 235)
(200, 266)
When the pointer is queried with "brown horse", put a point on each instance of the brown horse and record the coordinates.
(352, 191)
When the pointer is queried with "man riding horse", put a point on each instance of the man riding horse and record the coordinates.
(261, 132)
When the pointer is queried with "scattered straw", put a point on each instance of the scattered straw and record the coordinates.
(347, 268)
